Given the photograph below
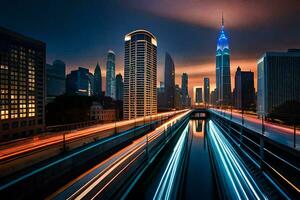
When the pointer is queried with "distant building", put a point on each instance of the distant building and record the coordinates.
(119, 87)
(56, 79)
(186, 100)
(97, 81)
(213, 97)
(206, 91)
(140, 75)
(223, 81)
(161, 98)
(244, 92)
(22, 85)
(178, 97)
(111, 75)
(80, 82)
(169, 82)
(103, 115)
(198, 96)
(278, 78)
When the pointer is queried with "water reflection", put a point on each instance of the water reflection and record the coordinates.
(199, 176)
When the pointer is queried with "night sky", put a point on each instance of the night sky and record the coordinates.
(80, 32)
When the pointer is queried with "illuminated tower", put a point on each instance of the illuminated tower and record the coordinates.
(111, 75)
(140, 98)
(223, 82)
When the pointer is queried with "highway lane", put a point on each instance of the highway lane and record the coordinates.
(100, 179)
(36, 143)
(283, 135)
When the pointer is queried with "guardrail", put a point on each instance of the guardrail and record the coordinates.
(277, 163)
(34, 150)
(122, 170)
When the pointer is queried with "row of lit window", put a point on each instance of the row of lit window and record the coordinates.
(3, 67)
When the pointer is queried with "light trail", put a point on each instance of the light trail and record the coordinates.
(27, 146)
(166, 183)
(283, 135)
(117, 165)
(241, 185)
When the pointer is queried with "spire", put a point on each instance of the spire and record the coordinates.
(222, 19)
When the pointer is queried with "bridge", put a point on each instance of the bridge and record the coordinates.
(175, 155)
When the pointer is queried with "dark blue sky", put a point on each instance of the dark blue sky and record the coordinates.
(80, 32)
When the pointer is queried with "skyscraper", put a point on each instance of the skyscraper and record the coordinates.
(185, 90)
(140, 98)
(223, 82)
(56, 79)
(244, 92)
(119, 87)
(278, 78)
(169, 82)
(22, 85)
(198, 96)
(97, 81)
(178, 97)
(206, 90)
(111, 75)
(80, 82)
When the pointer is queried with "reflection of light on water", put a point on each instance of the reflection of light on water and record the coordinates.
(198, 128)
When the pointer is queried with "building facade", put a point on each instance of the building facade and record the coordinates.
(111, 75)
(244, 92)
(22, 85)
(169, 82)
(56, 80)
(140, 75)
(206, 91)
(102, 115)
(119, 87)
(97, 81)
(186, 100)
(278, 78)
(80, 82)
(178, 97)
(198, 96)
(223, 81)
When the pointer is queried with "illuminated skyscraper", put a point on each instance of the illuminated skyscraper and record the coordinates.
(22, 85)
(223, 82)
(111, 75)
(140, 98)
(206, 90)
(169, 82)
(97, 81)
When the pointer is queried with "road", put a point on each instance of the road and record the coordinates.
(28, 145)
(283, 135)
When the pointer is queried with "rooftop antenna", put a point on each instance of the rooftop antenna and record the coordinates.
(222, 19)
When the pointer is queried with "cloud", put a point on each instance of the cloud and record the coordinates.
(238, 13)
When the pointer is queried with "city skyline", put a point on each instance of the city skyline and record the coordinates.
(84, 47)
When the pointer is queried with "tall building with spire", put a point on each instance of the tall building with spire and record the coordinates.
(223, 82)
(111, 75)
(97, 81)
